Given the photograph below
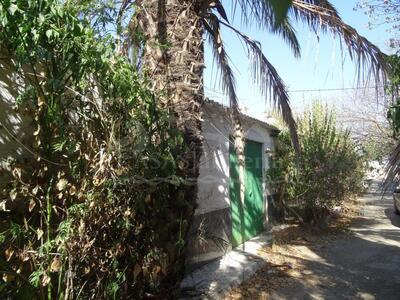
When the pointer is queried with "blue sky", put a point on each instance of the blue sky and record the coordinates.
(320, 66)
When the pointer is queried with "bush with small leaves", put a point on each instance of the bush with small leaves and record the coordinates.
(327, 171)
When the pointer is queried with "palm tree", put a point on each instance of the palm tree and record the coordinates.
(173, 52)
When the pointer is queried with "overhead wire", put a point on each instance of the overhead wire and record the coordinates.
(311, 90)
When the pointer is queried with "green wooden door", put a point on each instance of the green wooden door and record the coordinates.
(247, 222)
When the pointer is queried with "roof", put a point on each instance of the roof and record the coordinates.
(227, 109)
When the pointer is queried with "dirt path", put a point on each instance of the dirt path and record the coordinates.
(363, 263)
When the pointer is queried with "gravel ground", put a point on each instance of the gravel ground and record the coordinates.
(356, 257)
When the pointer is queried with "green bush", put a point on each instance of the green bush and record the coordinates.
(327, 170)
(97, 211)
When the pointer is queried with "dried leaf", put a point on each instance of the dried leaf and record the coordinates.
(62, 184)
(8, 277)
(136, 271)
(35, 190)
(81, 197)
(13, 194)
(39, 233)
(147, 200)
(45, 280)
(81, 227)
(20, 268)
(3, 206)
(157, 269)
(17, 172)
(72, 190)
(8, 253)
(56, 265)
(32, 205)
(26, 224)
(127, 213)
(24, 256)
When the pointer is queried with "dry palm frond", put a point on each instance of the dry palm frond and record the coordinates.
(324, 4)
(320, 15)
(213, 29)
(264, 74)
(269, 81)
(392, 169)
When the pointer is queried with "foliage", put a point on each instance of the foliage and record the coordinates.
(97, 212)
(375, 151)
(393, 166)
(387, 12)
(393, 90)
(328, 170)
(370, 128)
(383, 12)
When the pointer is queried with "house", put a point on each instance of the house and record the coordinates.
(216, 226)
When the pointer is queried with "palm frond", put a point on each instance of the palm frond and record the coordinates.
(270, 83)
(288, 33)
(220, 9)
(324, 4)
(261, 14)
(320, 15)
(392, 169)
(228, 85)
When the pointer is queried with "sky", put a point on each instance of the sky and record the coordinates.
(321, 66)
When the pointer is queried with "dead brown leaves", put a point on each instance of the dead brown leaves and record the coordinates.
(286, 259)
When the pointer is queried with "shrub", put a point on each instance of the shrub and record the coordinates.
(327, 171)
(97, 211)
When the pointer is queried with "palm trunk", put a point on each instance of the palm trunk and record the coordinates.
(239, 142)
(174, 56)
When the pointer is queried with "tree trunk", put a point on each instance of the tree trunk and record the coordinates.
(173, 54)
(239, 143)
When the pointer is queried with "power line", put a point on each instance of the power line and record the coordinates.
(336, 89)
(313, 90)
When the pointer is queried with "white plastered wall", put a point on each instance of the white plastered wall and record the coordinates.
(213, 182)
(14, 128)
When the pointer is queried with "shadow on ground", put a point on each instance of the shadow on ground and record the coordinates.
(394, 218)
(362, 263)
